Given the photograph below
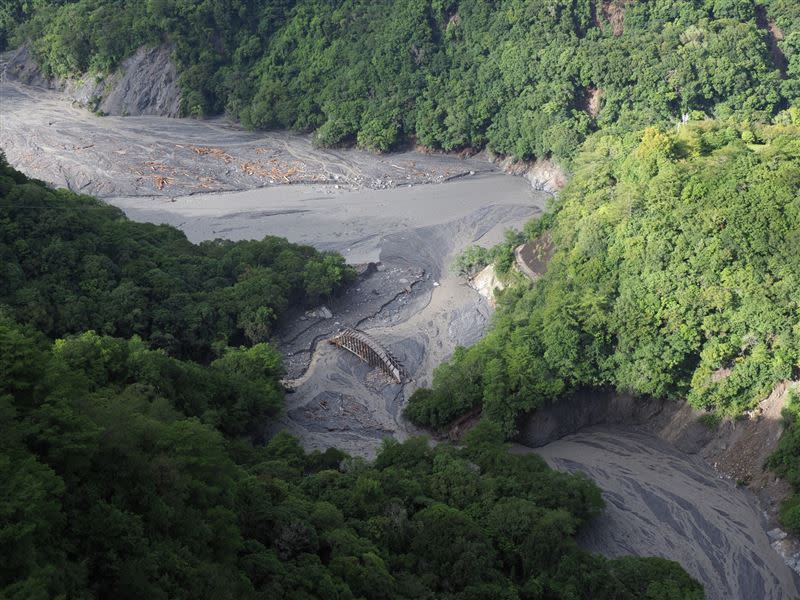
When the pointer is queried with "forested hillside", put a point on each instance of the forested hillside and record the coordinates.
(127, 473)
(526, 77)
(136, 378)
(676, 274)
(69, 263)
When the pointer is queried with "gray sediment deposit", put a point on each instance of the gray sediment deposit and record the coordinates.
(408, 299)
(371, 208)
(654, 462)
(662, 502)
(52, 139)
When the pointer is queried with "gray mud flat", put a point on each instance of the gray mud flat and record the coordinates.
(659, 501)
(662, 502)
(145, 155)
(411, 303)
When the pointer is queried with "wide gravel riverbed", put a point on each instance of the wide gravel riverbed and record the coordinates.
(375, 208)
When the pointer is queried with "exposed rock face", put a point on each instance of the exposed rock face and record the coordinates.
(544, 175)
(586, 409)
(145, 84)
(22, 67)
(613, 12)
(592, 101)
(532, 258)
(148, 86)
(486, 283)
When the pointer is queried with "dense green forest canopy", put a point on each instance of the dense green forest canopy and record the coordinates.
(131, 427)
(70, 263)
(112, 489)
(525, 77)
(127, 473)
(676, 274)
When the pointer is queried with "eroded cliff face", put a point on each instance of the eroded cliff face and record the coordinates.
(736, 449)
(544, 174)
(486, 283)
(145, 84)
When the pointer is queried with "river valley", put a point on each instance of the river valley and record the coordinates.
(409, 215)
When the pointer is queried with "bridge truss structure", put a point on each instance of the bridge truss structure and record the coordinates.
(370, 351)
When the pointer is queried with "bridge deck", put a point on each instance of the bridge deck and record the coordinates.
(370, 351)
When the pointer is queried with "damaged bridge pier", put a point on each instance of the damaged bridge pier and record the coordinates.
(370, 351)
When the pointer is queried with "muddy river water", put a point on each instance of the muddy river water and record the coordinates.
(409, 215)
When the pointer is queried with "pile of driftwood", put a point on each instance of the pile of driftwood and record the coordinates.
(271, 169)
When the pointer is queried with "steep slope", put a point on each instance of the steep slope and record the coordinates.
(675, 261)
(512, 75)
(144, 84)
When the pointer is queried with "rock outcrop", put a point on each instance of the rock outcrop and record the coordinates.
(145, 84)
(21, 66)
(486, 283)
(532, 257)
(544, 175)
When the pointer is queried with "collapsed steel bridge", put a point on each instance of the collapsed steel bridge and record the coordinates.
(370, 351)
